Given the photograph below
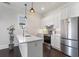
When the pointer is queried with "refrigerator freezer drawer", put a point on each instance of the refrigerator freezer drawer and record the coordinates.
(70, 43)
(69, 51)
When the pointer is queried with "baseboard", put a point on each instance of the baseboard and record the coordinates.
(6, 46)
(56, 48)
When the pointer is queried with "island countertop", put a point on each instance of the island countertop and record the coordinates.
(27, 38)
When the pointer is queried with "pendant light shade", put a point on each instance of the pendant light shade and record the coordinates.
(32, 9)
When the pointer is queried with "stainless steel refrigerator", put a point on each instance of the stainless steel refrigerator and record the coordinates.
(70, 36)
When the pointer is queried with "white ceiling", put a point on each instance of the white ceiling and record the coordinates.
(48, 6)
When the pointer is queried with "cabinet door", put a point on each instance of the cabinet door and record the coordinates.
(55, 42)
(35, 49)
(23, 49)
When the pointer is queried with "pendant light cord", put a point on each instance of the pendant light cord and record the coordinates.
(32, 4)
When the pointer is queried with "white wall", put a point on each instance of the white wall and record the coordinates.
(55, 17)
(9, 16)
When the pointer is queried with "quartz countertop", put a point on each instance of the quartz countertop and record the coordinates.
(27, 38)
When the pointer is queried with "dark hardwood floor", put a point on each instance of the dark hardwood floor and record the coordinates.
(8, 53)
(51, 52)
(47, 52)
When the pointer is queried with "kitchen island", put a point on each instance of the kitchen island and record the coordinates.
(30, 46)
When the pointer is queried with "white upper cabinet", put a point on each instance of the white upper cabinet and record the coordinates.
(74, 9)
(65, 12)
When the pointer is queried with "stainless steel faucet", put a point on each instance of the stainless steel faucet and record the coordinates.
(23, 30)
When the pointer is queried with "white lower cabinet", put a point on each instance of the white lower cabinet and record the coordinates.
(55, 42)
(32, 49)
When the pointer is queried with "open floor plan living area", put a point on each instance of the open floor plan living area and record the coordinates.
(39, 29)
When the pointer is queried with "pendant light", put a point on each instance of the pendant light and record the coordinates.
(25, 18)
(25, 10)
(32, 10)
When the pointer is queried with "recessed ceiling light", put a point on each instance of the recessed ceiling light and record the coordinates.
(42, 8)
